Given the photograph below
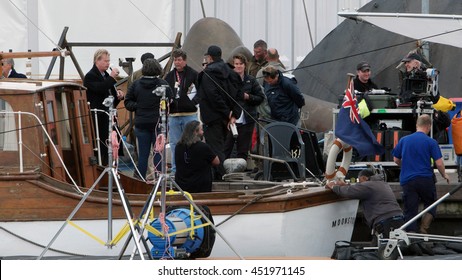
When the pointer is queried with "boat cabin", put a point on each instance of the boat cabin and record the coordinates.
(36, 113)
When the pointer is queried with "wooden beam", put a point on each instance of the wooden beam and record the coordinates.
(31, 54)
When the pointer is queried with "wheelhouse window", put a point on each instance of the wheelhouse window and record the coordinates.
(8, 128)
(83, 122)
(63, 120)
(52, 122)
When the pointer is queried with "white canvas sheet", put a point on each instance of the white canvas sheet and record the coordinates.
(442, 29)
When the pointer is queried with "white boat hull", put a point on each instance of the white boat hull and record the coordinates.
(306, 232)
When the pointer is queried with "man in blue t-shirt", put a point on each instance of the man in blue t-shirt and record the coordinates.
(414, 153)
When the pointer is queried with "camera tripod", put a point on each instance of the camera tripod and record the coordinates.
(112, 176)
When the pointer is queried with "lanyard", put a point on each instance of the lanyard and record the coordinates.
(178, 79)
(177, 84)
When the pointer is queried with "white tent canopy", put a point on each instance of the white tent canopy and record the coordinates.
(38, 25)
(436, 28)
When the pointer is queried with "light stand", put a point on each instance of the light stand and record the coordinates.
(162, 184)
(112, 175)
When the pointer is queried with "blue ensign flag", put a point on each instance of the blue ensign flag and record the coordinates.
(352, 129)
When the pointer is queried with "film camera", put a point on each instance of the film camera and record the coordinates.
(421, 84)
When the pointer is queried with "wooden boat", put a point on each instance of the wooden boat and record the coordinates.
(48, 167)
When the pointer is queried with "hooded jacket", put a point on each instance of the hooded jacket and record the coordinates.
(219, 92)
(142, 99)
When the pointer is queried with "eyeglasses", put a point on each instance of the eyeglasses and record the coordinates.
(365, 71)
(267, 74)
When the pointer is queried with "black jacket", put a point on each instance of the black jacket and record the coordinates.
(99, 87)
(364, 87)
(219, 92)
(181, 102)
(256, 97)
(142, 99)
(284, 99)
(14, 74)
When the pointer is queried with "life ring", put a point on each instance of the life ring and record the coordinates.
(337, 146)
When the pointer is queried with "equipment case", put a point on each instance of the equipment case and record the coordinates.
(383, 101)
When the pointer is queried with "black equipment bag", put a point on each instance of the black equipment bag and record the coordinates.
(391, 138)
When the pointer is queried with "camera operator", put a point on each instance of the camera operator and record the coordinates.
(415, 73)
(420, 81)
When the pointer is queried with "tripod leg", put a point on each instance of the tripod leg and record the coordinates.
(128, 213)
(130, 236)
(146, 207)
(72, 213)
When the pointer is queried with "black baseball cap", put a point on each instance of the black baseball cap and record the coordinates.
(363, 66)
(213, 51)
(411, 57)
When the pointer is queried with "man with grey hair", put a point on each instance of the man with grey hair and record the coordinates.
(101, 84)
(195, 160)
(380, 208)
(8, 70)
(273, 60)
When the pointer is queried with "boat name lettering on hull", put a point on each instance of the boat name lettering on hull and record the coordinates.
(343, 221)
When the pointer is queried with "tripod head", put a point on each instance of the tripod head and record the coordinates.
(162, 92)
(108, 101)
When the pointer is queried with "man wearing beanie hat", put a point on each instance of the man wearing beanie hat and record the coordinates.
(362, 81)
(381, 210)
(137, 74)
(218, 89)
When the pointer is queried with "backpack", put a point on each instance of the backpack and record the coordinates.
(456, 123)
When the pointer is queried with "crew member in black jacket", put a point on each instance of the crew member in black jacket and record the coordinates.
(219, 91)
(100, 84)
(143, 98)
(183, 82)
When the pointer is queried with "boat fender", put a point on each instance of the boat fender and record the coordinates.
(331, 172)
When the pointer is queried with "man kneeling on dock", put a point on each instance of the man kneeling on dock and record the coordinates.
(381, 210)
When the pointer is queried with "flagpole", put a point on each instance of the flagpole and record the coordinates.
(350, 77)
